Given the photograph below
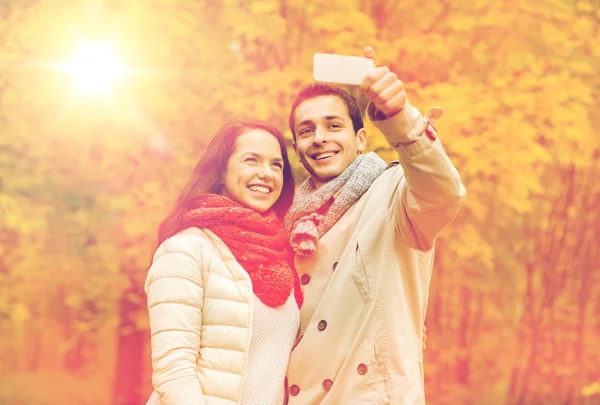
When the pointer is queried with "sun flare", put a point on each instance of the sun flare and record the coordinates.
(95, 68)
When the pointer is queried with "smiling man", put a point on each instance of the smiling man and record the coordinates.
(364, 234)
(325, 139)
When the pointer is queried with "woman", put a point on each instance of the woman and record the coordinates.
(222, 299)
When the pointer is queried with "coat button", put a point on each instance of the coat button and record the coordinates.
(362, 369)
(322, 325)
(327, 384)
(305, 279)
(294, 390)
(334, 265)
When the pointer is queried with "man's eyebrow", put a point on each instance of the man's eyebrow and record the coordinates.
(327, 118)
(305, 122)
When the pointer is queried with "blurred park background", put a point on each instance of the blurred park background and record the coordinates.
(105, 107)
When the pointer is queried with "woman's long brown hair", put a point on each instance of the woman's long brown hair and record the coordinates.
(209, 171)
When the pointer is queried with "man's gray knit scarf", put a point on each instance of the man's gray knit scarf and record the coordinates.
(313, 212)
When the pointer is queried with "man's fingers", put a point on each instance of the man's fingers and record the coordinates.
(385, 88)
(369, 53)
(373, 77)
(394, 105)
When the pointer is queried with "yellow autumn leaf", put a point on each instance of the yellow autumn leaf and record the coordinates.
(19, 313)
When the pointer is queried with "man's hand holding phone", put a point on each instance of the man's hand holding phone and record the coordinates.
(378, 83)
(383, 88)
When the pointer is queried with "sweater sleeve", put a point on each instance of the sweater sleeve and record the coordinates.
(175, 298)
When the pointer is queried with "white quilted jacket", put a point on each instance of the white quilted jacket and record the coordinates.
(199, 303)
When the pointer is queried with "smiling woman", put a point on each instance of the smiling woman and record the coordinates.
(223, 300)
(233, 153)
(254, 175)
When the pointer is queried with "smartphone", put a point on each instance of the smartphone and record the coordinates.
(341, 69)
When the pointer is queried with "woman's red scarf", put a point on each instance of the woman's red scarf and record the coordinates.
(257, 241)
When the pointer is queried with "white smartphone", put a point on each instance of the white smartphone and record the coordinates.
(341, 69)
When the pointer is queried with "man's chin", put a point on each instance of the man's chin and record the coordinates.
(323, 176)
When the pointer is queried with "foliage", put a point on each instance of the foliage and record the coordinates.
(85, 180)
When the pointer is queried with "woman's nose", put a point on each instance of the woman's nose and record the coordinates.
(265, 173)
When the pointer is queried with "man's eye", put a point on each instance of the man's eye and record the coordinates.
(305, 131)
(335, 126)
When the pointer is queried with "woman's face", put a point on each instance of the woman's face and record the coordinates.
(254, 174)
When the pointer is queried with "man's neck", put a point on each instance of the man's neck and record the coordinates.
(319, 183)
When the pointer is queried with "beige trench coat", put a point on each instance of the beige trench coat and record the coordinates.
(366, 287)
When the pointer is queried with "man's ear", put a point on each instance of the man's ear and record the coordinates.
(296, 150)
(361, 139)
(297, 154)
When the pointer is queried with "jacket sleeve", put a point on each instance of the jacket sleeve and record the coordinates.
(175, 297)
(429, 190)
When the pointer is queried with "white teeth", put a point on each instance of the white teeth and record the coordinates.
(260, 189)
(324, 155)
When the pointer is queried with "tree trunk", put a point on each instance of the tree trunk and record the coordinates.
(526, 323)
(34, 351)
(462, 367)
(130, 348)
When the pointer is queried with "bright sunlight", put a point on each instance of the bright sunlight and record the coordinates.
(95, 68)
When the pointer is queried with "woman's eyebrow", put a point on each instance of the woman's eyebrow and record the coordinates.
(258, 155)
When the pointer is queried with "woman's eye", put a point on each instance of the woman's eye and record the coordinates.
(251, 159)
(278, 165)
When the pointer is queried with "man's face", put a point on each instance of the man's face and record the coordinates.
(325, 139)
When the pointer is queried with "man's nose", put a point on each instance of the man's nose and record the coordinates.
(319, 135)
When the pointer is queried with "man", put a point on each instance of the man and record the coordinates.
(364, 234)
